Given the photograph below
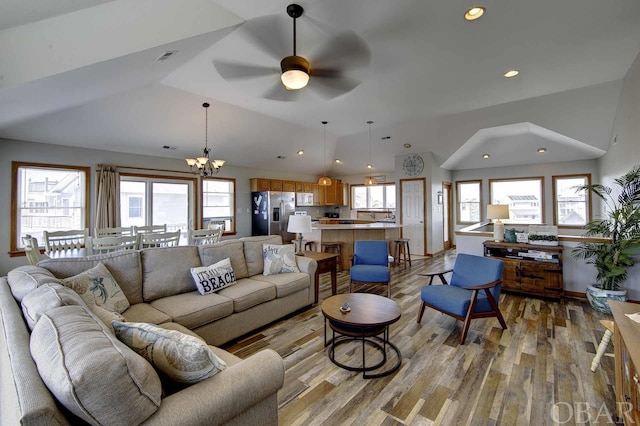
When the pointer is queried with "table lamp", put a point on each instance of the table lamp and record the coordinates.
(299, 224)
(498, 211)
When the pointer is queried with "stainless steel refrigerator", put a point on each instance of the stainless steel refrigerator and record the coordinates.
(271, 211)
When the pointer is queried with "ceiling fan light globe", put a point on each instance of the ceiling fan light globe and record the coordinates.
(295, 72)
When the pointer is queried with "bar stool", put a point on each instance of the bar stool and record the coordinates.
(333, 247)
(402, 249)
(310, 245)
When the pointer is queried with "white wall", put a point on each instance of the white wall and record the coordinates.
(11, 150)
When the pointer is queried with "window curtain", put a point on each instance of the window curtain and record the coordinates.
(108, 198)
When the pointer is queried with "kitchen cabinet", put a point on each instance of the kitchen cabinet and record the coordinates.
(276, 185)
(626, 344)
(258, 184)
(288, 186)
(330, 194)
(333, 195)
(528, 268)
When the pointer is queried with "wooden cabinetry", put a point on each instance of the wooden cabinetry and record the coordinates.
(529, 268)
(627, 351)
(333, 195)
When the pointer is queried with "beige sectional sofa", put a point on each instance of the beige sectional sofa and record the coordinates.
(160, 290)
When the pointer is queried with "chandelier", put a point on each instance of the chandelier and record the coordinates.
(370, 180)
(203, 165)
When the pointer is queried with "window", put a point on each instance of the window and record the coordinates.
(218, 202)
(524, 196)
(157, 201)
(47, 197)
(381, 196)
(571, 208)
(469, 201)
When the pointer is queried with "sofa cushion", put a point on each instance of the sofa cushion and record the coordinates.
(181, 357)
(193, 310)
(165, 271)
(215, 277)
(45, 297)
(253, 252)
(248, 293)
(90, 372)
(124, 266)
(279, 259)
(233, 249)
(98, 287)
(24, 279)
(286, 284)
(144, 312)
(106, 316)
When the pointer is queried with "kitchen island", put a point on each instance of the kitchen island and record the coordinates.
(347, 233)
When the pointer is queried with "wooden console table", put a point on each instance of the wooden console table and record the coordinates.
(528, 273)
(327, 262)
(626, 344)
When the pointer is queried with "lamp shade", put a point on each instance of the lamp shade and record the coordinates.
(299, 224)
(497, 211)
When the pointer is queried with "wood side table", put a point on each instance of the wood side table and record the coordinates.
(327, 262)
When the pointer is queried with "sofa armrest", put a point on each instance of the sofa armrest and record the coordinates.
(225, 395)
(307, 265)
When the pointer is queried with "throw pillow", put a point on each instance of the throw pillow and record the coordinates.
(209, 279)
(279, 259)
(98, 287)
(182, 358)
(106, 316)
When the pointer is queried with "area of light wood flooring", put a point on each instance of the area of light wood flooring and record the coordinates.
(534, 373)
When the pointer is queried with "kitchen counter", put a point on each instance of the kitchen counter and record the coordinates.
(347, 233)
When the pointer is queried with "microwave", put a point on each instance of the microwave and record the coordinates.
(304, 199)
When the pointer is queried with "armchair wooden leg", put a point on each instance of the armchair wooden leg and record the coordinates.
(421, 312)
(467, 319)
(389, 290)
(494, 306)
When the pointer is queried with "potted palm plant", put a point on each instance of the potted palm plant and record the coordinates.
(620, 224)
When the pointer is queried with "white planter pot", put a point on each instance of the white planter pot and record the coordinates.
(598, 298)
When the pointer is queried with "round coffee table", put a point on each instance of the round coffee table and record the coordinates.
(369, 318)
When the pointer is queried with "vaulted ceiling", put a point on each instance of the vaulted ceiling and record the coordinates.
(84, 73)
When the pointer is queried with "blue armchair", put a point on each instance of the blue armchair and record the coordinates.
(370, 264)
(474, 291)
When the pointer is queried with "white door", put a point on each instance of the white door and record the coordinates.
(413, 223)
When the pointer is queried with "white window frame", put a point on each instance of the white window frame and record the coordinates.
(17, 189)
(587, 201)
(384, 197)
(540, 204)
(231, 229)
(459, 202)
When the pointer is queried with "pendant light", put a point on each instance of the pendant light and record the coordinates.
(324, 180)
(370, 180)
(203, 165)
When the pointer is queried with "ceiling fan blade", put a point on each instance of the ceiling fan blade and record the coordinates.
(344, 51)
(238, 71)
(332, 83)
(277, 92)
(272, 34)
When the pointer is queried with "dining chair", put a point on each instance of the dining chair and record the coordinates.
(150, 229)
(113, 232)
(156, 239)
(204, 236)
(109, 244)
(473, 291)
(65, 240)
(370, 264)
(31, 250)
(216, 224)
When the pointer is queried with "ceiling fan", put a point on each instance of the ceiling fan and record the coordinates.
(331, 69)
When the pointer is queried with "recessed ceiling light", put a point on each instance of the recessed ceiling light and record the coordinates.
(281, 157)
(339, 161)
(300, 152)
(542, 150)
(369, 166)
(485, 156)
(474, 13)
(511, 73)
(407, 145)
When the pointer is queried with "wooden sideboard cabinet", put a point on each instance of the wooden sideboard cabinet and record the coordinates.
(626, 344)
(529, 268)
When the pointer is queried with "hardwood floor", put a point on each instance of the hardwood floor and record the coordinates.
(535, 372)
